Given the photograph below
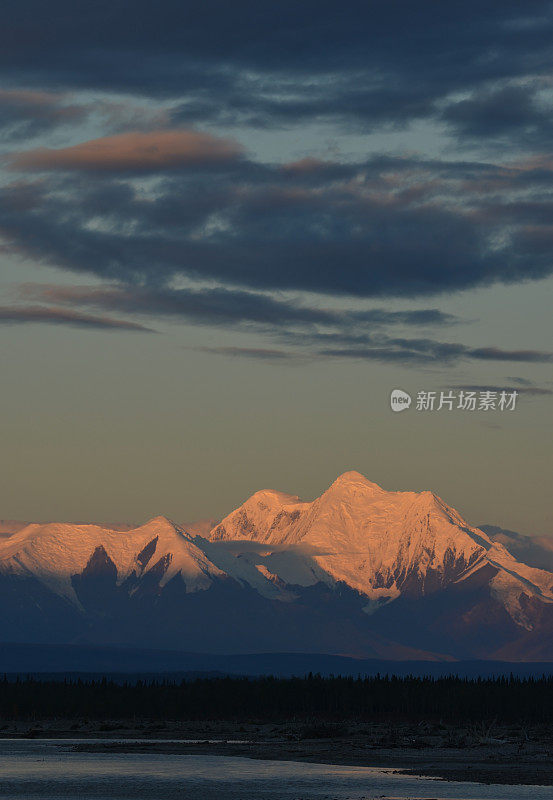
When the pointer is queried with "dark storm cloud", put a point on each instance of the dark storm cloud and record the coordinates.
(512, 115)
(381, 228)
(489, 112)
(338, 97)
(19, 315)
(265, 63)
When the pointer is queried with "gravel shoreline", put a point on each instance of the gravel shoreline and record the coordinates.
(483, 753)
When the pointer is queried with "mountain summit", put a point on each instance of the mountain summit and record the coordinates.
(382, 544)
(352, 478)
(359, 570)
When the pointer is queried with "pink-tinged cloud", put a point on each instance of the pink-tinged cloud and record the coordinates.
(29, 97)
(38, 109)
(306, 165)
(133, 152)
(13, 315)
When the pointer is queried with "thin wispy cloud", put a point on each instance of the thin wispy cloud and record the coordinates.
(26, 113)
(415, 352)
(311, 332)
(221, 306)
(25, 315)
(257, 353)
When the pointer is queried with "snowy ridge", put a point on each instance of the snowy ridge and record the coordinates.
(380, 544)
(56, 552)
(358, 533)
(266, 516)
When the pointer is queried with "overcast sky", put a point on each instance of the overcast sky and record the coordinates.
(229, 230)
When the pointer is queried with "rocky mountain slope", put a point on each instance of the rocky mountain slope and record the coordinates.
(359, 571)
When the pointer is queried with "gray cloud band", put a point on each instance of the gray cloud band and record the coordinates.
(381, 228)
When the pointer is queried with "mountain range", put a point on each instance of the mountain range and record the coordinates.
(359, 571)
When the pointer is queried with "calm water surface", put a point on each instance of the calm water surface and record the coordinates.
(48, 769)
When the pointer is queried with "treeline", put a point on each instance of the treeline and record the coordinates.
(270, 699)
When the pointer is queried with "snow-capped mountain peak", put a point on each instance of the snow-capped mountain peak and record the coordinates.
(57, 552)
(353, 480)
(265, 517)
(380, 543)
(354, 560)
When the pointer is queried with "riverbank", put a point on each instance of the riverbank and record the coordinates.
(484, 753)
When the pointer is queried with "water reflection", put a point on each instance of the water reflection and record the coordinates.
(49, 770)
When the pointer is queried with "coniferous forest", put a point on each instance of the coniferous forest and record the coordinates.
(269, 699)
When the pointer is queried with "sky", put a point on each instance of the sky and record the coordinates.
(229, 231)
